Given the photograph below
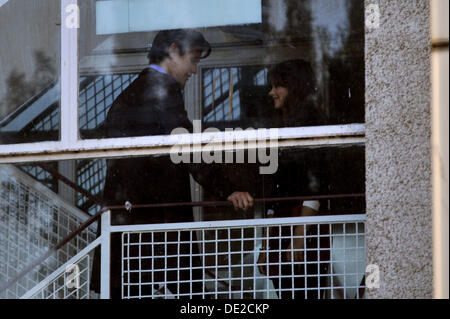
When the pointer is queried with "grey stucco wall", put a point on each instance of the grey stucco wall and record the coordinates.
(398, 158)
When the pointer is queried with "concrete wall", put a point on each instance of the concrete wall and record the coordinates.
(398, 149)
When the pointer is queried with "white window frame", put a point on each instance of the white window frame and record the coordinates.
(70, 146)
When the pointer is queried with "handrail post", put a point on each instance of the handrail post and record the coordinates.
(105, 255)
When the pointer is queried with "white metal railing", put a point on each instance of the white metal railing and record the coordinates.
(70, 281)
(32, 220)
(219, 259)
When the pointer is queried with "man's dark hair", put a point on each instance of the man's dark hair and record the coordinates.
(185, 39)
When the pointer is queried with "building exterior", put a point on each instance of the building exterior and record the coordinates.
(380, 68)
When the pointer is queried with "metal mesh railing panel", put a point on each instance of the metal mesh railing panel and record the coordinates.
(328, 261)
(32, 220)
(73, 283)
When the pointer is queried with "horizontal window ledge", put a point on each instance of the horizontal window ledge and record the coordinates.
(197, 142)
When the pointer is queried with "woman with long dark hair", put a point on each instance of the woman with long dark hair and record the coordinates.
(295, 94)
(295, 97)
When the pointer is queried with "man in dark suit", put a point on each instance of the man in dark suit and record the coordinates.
(154, 105)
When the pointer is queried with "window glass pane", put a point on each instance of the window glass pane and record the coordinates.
(150, 15)
(96, 96)
(312, 49)
(29, 71)
(41, 174)
(336, 173)
(300, 171)
(247, 104)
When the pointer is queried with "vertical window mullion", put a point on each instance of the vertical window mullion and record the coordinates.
(69, 71)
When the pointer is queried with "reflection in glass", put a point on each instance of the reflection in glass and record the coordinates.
(318, 171)
(40, 174)
(152, 15)
(239, 100)
(90, 176)
(231, 89)
(313, 171)
(97, 93)
(300, 172)
(30, 71)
